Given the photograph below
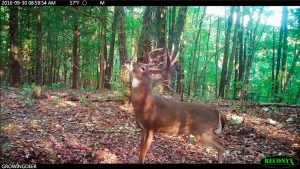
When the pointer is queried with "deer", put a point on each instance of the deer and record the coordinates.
(157, 114)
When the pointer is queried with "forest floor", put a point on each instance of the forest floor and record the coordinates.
(97, 128)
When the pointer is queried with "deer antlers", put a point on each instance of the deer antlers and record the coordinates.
(157, 61)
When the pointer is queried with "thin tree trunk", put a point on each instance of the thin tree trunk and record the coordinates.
(122, 36)
(39, 48)
(179, 26)
(1, 40)
(75, 75)
(192, 60)
(180, 74)
(203, 72)
(291, 72)
(100, 60)
(171, 27)
(284, 48)
(147, 34)
(30, 77)
(217, 56)
(104, 46)
(161, 26)
(273, 61)
(253, 48)
(279, 56)
(178, 29)
(226, 52)
(194, 71)
(241, 52)
(111, 49)
(233, 52)
(15, 65)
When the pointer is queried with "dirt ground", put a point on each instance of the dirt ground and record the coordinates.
(98, 128)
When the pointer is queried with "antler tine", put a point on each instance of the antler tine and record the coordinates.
(155, 50)
(154, 61)
(151, 64)
(157, 57)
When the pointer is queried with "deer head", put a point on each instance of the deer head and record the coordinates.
(153, 69)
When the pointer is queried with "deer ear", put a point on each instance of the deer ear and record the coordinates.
(128, 65)
(143, 68)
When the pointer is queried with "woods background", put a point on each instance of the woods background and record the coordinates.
(234, 55)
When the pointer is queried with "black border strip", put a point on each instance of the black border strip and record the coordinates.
(153, 3)
(150, 166)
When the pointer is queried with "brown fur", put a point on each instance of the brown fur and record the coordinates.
(157, 114)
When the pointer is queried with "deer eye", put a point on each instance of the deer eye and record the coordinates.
(127, 62)
(143, 69)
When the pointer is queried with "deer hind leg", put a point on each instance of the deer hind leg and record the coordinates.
(146, 140)
(211, 140)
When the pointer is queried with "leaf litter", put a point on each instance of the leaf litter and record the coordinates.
(58, 130)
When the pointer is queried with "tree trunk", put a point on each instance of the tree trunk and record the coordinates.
(75, 75)
(241, 52)
(273, 61)
(15, 65)
(253, 49)
(203, 71)
(31, 61)
(100, 64)
(111, 49)
(233, 52)
(284, 48)
(172, 17)
(180, 72)
(122, 36)
(147, 34)
(1, 44)
(161, 26)
(279, 56)
(178, 30)
(291, 72)
(39, 47)
(217, 56)
(190, 74)
(102, 59)
(161, 39)
(194, 71)
(226, 51)
(250, 60)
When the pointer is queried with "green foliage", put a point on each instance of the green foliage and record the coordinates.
(233, 121)
(274, 110)
(119, 90)
(27, 89)
(90, 88)
(31, 120)
(57, 86)
(58, 43)
(26, 94)
(6, 147)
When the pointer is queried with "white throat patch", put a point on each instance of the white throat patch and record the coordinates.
(135, 82)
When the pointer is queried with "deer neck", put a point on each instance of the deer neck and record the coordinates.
(141, 95)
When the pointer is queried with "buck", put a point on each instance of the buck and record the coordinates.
(155, 114)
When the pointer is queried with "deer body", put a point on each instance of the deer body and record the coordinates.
(155, 114)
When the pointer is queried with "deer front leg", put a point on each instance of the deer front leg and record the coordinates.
(211, 140)
(147, 137)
